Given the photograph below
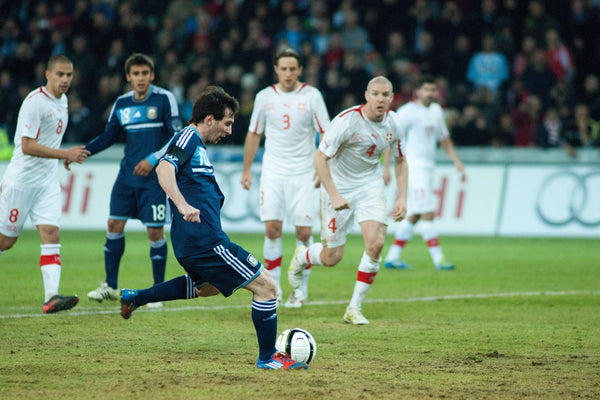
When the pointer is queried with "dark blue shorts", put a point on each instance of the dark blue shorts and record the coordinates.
(149, 205)
(227, 267)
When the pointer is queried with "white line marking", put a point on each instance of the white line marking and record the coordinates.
(324, 303)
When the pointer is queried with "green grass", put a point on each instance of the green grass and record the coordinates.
(519, 318)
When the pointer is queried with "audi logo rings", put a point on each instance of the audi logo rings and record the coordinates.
(566, 197)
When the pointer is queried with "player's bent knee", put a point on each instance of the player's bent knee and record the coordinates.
(5, 246)
(207, 290)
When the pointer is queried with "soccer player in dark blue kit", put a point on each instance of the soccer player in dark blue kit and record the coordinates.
(213, 263)
(149, 116)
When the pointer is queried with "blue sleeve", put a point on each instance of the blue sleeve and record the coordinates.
(111, 134)
(173, 123)
(178, 155)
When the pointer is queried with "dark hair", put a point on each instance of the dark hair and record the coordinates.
(289, 52)
(138, 59)
(213, 101)
(426, 79)
(57, 59)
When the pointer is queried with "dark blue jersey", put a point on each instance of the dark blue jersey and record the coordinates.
(197, 184)
(149, 124)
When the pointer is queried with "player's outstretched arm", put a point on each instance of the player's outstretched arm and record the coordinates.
(31, 147)
(167, 180)
(250, 148)
(401, 171)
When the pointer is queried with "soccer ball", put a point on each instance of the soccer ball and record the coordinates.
(298, 344)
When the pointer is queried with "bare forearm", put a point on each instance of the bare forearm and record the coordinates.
(448, 147)
(32, 148)
(324, 174)
(401, 171)
(250, 148)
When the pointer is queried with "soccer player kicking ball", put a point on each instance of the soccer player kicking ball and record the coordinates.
(30, 185)
(213, 263)
(347, 163)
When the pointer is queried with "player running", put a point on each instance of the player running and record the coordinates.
(347, 164)
(30, 185)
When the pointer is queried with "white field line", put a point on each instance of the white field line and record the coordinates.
(322, 303)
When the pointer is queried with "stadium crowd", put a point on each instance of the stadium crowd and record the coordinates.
(510, 72)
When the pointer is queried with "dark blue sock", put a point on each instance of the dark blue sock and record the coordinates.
(113, 251)
(179, 288)
(264, 316)
(158, 256)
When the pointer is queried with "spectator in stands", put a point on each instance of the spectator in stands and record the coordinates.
(582, 35)
(471, 127)
(292, 35)
(559, 57)
(504, 133)
(488, 67)
(537, 78)
(354, 37)
(526, 119)
(396, 48)
(588, 127)
(537, 21)
(427, 55)
(523, 57)
(550, 132)
(455, 59)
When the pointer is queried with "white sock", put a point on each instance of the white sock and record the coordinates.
(402, 235)
(430, 236)
(50, 267)
(272, 252)
(314, 254)
(367, 270)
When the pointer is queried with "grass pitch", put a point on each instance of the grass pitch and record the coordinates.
(519, 318)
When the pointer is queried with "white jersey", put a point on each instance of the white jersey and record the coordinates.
(290, 122)
(425, 127)
(355, 144)
(44, 118)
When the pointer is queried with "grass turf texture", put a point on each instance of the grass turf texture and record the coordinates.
(517, 319)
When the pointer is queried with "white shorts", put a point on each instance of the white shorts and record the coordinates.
(366, 204)
(42, 204)
(292, 198)
(420, 197)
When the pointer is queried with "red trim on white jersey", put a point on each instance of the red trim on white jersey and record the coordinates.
(358, 109)
(319, 123)
(41, 90)
(255, 131)
(274, 87)
(302, 86)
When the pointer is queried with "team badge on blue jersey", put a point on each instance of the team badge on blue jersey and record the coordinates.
(152, 113)
(251, 260)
